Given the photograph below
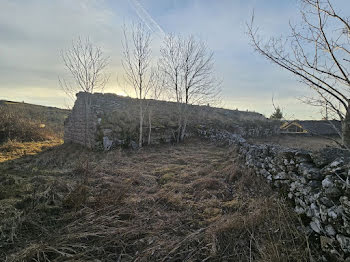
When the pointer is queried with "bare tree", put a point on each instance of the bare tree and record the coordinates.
(155, 93)
(86, 65)
(318, 53)
(170, 64)
(187, 65)
(137, 66)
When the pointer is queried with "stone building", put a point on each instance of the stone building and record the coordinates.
(103, 121)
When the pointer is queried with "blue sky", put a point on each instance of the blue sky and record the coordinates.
(34, 31)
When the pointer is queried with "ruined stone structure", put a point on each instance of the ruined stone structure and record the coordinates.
(103, 121)
(318, 183)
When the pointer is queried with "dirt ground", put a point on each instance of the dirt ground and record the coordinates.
(312, 143)
(188, 202)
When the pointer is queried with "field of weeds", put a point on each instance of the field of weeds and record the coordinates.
(189, 202)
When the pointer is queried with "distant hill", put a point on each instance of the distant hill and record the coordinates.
(50, 118)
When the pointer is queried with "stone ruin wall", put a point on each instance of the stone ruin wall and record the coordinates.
(86, 123)
(81, 125)
(317, 183)
(99, 121)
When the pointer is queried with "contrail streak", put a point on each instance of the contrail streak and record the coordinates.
(146, 18)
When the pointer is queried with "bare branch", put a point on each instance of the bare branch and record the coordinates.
(187, 66)
(139, 73)
(86, 64)
(315, 52)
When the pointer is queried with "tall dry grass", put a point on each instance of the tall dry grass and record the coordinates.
(190, 202)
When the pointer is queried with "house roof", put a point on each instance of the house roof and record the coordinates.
(317, 127)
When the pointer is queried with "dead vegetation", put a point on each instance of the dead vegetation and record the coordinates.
(26, 122)
(312, 143)
(13, 149)
(189, 202)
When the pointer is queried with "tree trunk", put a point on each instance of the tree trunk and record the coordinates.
(185, 118)
(141, 124)
(87, 105)
(178, 134)
(183, 131)
(178, 137)
(346, 130)
(149, 127)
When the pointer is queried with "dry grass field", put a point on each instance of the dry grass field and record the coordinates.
(189, 202)
(13, 149)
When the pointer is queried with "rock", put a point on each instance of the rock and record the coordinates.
(133, 145)
(327, 182)
(306, 170)
(299, 210)
(334, 212)
(323, 213)
(332, 192)
(326, 201)
(238, 138)
(327, 155)
(264, 173)
(330, 187)
(344, 242)
(344, 200)
(336, 163)
(293, 186)
(107, 143)
(316, 225)
(315, 184)
(281, 176)
(330, 231)
(315, 210)
(300, 202)
(303, 157)
(346, 225)
(314, 174)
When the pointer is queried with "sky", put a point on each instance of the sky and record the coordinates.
(32, 33)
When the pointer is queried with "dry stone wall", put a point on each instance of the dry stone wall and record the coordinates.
(104, 121)
(318, 183)
(81, 125)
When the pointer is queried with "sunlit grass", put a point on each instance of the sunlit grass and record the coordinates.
(14, 149)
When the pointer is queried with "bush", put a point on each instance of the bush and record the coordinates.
(14, 125)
